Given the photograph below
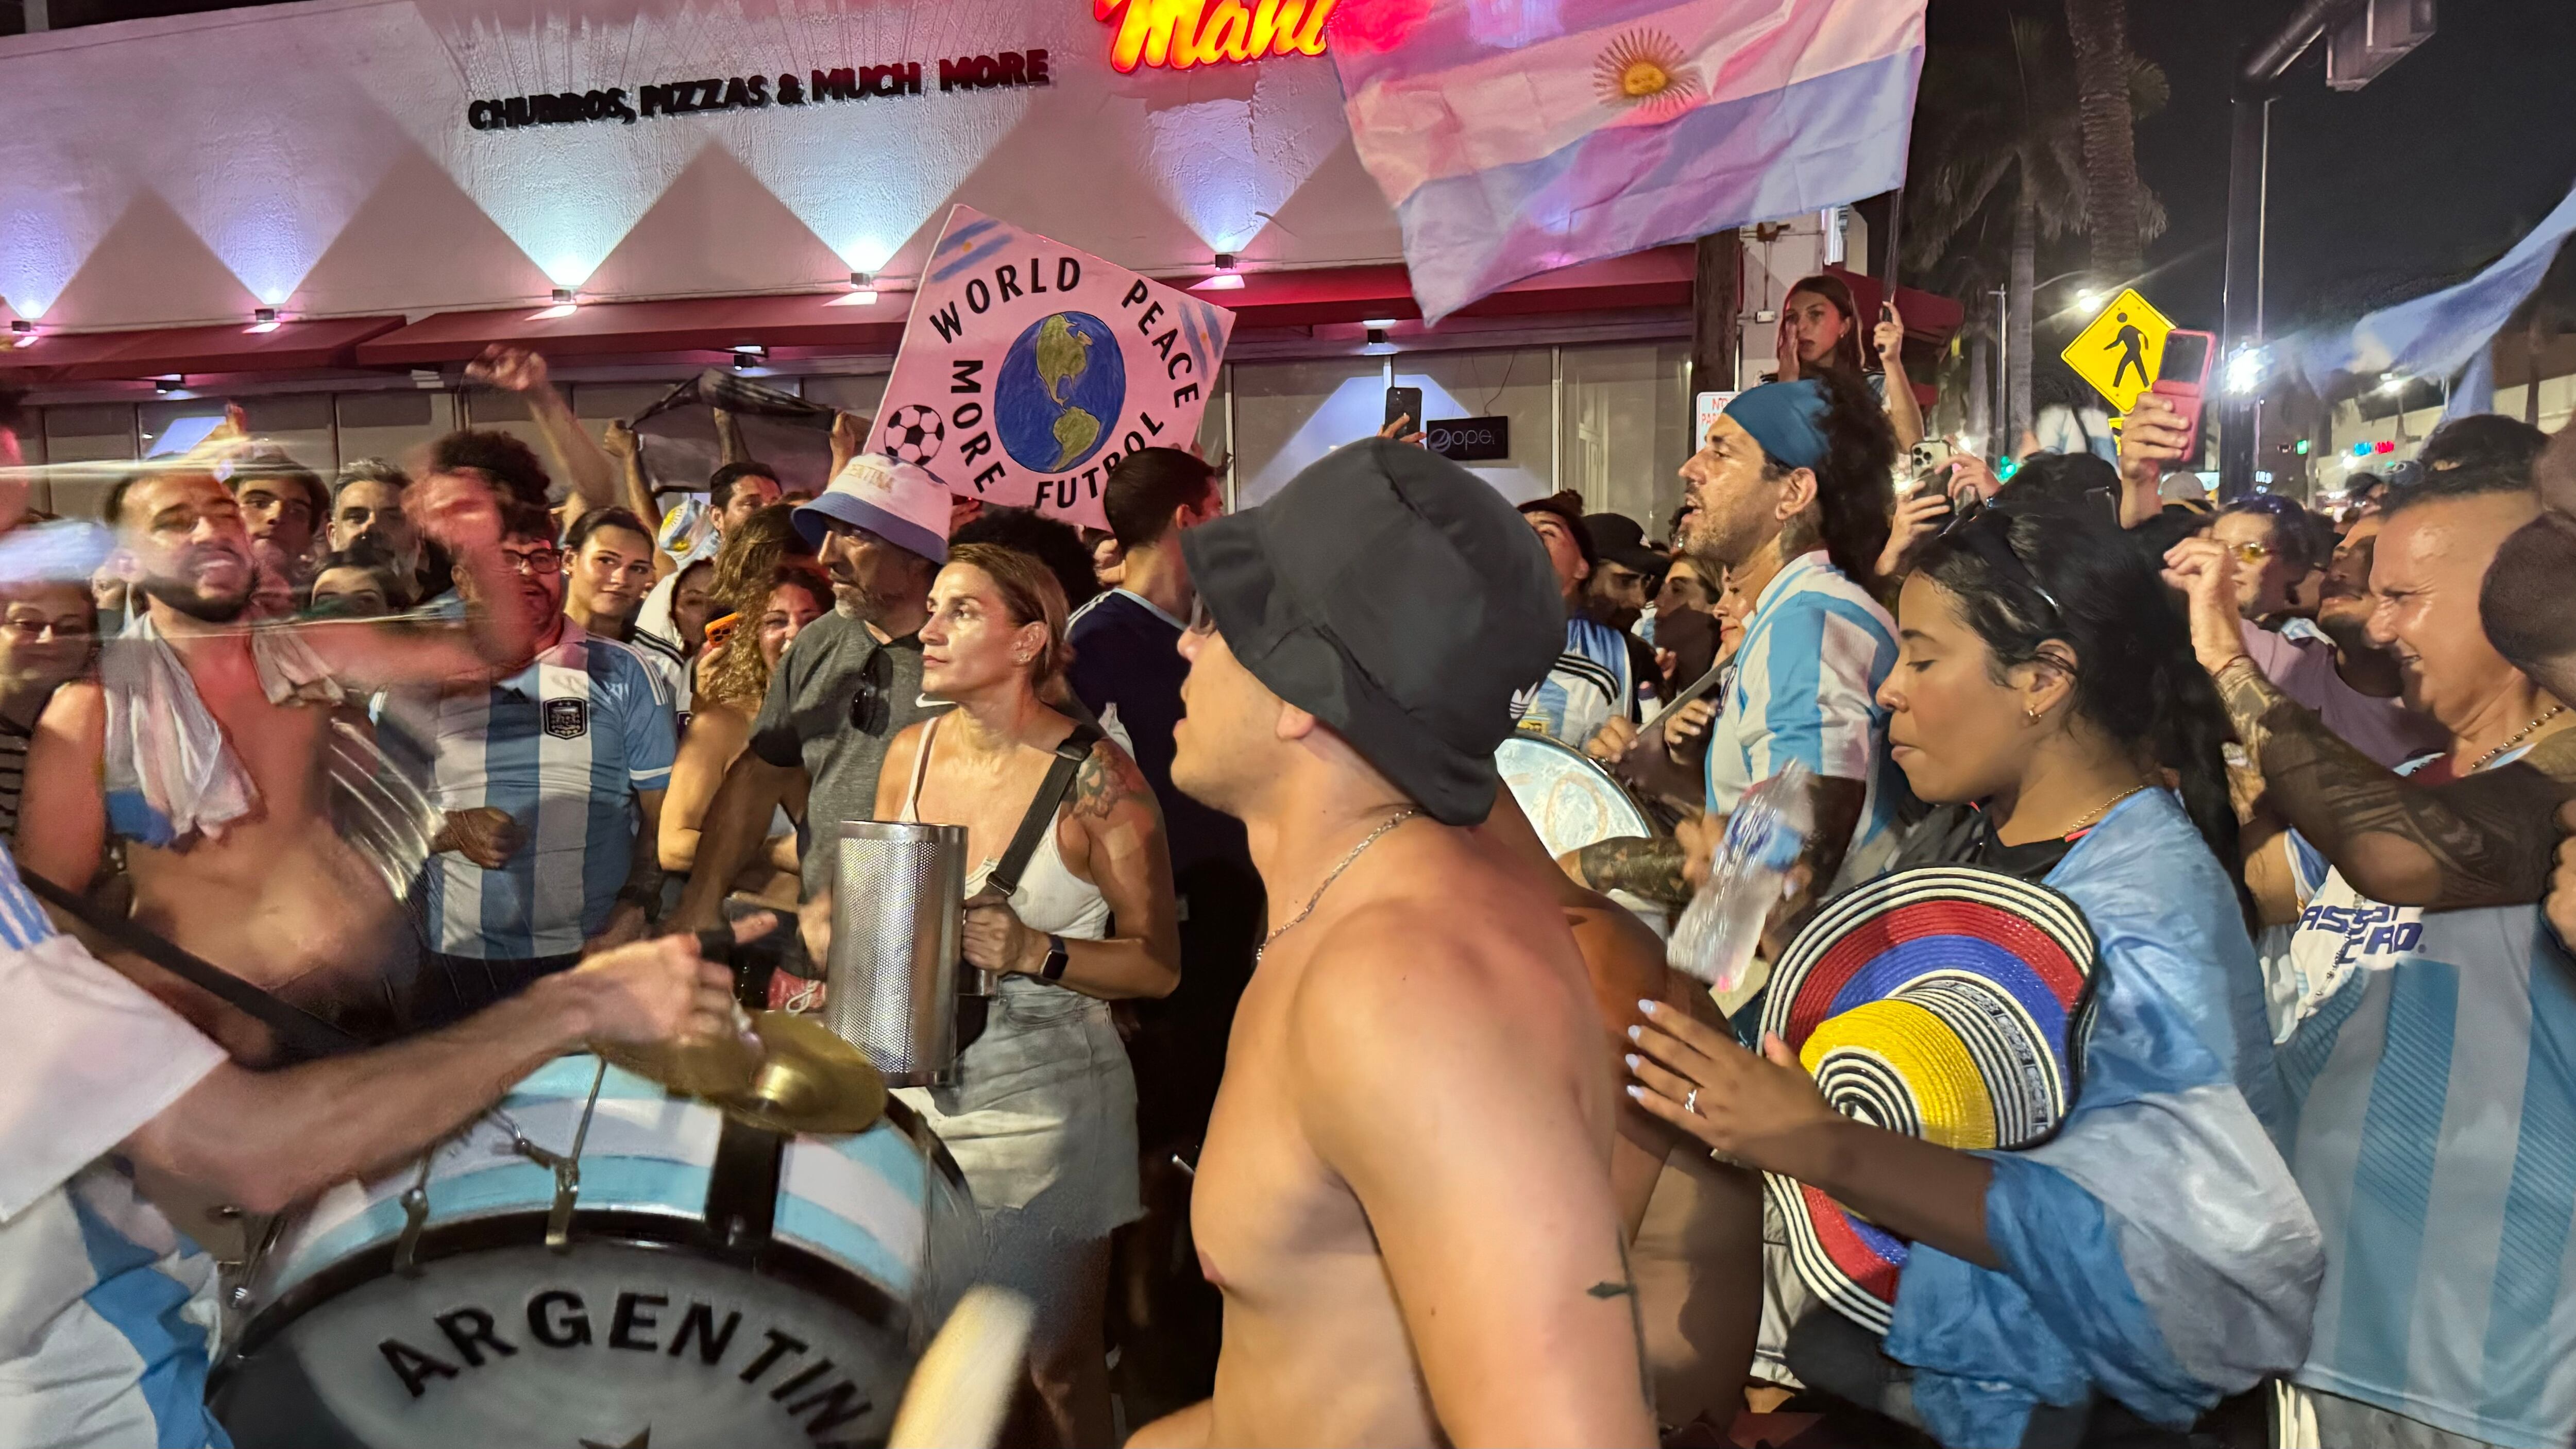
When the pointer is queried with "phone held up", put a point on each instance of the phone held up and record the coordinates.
(1405, 403)
(2182, 379)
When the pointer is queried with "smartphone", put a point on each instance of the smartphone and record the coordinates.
(1929, 463)
(1405, 402)
(2182, 378)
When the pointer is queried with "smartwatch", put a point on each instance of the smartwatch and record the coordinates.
(1056, 960)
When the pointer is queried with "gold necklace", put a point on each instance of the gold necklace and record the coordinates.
(1392, 821)
(2096, 813)
(2519, 736)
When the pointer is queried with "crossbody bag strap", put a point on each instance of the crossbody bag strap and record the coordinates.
(1041, 817)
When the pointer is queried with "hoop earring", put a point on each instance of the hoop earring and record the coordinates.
(2030, 713)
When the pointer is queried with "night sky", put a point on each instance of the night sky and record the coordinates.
(2416, 180)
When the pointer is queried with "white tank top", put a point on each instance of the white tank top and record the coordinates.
(1051, 898)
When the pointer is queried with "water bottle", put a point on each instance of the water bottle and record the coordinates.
(1721, 928)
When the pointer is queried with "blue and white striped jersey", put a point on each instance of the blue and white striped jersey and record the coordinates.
(106, 1312)
(1593, 680)
(563, 746)
(1815, 651)
(2434, 1072)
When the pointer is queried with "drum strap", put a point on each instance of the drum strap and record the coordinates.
(1041, 817)
(300, 1030)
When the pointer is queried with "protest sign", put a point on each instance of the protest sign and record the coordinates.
(1029, 369)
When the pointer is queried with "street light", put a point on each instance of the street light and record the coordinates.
(2245, 371)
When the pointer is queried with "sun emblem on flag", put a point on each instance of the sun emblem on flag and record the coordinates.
(1646, 68)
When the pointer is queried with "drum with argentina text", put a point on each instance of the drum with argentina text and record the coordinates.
(1572, 802)
(635, 1270)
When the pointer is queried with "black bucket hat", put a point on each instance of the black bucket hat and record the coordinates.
(1396, 597)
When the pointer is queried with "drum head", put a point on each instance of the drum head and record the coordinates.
(1569, 800)
(616, 1342)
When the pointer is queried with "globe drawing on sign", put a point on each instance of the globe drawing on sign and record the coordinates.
(913, 435)
(1060, 390)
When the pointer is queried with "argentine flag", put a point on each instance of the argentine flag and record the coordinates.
(1515, 137)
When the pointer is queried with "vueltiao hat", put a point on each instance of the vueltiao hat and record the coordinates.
(1945, 1003)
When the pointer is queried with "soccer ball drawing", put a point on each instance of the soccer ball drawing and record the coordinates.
(913, 434)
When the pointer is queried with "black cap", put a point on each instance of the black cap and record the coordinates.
(1396, 597)
(1622, 540)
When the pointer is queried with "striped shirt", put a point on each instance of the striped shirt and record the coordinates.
(670, 668)
(563, 746)
(1815, 651)
(13, 776)
(2434, 1072)
(105, 1310)
(1592, 681)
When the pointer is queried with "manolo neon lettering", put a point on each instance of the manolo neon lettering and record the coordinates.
(1179, 34)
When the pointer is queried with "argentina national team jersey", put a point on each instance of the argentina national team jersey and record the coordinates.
(562, 746)
(1816, 649)
(106, 1311)
(2434, 1073)
(1592, 681)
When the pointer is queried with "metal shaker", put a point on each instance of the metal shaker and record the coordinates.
(898, 918)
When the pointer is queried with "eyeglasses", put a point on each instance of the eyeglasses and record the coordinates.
(543, 563)
(27, 629)
(2250, 554)
(872, 707)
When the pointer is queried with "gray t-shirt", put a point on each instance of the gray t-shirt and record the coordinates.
(815, 717)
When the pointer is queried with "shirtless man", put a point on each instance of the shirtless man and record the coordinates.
(273, 895)
(1404, 1195)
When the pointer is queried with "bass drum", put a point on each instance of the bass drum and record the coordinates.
(710, 1284)
(1572, 802)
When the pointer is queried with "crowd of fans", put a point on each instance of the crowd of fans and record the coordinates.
(2300, 772)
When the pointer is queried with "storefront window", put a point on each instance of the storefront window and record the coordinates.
(1627, 429)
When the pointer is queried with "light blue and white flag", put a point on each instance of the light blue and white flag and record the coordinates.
(2439, 333)
(1515, 137)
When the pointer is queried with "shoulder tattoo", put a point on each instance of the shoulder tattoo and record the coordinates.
(1107, 778)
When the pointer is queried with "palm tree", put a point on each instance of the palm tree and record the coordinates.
(1998, 158)
(2114, 221)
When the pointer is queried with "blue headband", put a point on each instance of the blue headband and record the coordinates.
(1786, 418)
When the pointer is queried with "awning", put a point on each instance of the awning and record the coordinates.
(321, 344)
(805, 324)
(704, 330)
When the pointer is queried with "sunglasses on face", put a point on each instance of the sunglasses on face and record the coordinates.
(2250, 554)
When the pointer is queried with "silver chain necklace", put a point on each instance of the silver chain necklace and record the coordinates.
(1392, 821)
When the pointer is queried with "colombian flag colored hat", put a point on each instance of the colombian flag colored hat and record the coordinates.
(1945, 1003)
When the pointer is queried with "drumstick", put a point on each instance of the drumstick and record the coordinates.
(965, 1380)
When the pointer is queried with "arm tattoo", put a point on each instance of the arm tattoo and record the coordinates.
(1107, 778)
(1651, 868)
(2483, 841)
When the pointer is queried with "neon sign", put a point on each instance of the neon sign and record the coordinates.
(1178, 34)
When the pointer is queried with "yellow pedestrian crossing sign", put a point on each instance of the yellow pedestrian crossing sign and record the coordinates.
(2119, 350)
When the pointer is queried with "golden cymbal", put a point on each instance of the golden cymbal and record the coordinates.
(807, 1080)
(710, 1068)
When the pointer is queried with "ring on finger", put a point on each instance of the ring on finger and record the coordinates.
(1690, 1101)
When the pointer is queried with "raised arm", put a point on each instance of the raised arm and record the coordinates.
(2481, 841)
(461, 516)
(625, 450)
(585, 467)
(1904, 410)
(1484, 1185)
(2151, 440)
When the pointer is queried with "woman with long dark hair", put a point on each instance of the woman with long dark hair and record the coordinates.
(1820, 328)
(2154, 1254)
